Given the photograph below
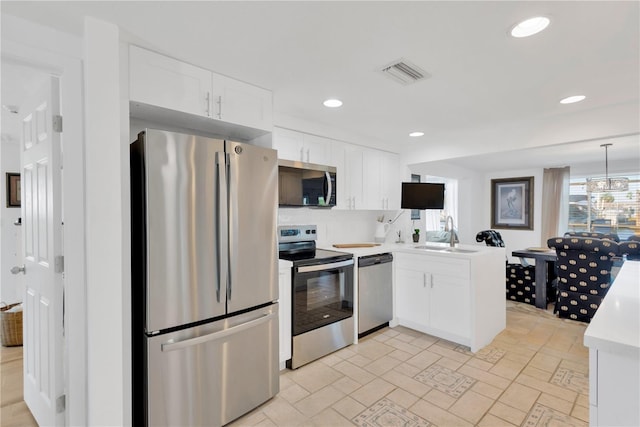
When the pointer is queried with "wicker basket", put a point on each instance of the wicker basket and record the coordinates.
(11, 326)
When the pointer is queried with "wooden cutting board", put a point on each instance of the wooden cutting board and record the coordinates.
(355, 245)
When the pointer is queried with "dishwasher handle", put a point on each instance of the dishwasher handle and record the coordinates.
(368, 261)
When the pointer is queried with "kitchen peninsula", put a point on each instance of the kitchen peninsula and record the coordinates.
(452, 293)
(613, 338)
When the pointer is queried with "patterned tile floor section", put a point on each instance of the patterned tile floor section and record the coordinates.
(533, 374)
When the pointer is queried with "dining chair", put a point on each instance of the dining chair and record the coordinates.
(593, 234)
(584, 274)
(519, 279)
(630, 248)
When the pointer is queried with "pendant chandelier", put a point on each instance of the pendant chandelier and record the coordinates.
(596, 185)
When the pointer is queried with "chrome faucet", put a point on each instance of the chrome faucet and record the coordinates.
(452, 238)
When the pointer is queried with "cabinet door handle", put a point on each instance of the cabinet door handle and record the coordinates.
(207, 99)
(354, 202)
(220, 107)
(424, 280)
(302, 154)
(431, 279)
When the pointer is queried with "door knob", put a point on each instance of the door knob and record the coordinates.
(16, 269)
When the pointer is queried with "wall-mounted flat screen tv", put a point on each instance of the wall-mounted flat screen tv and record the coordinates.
(422, 195)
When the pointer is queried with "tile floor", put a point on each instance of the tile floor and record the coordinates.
(534, 373)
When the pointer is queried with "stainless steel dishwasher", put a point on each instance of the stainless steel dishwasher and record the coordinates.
(375, 292)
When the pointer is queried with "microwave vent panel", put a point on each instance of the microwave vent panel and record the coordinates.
(404, 72)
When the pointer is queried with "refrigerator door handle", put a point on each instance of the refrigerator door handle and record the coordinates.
(222, 243)
(172, 346)
(232, 162)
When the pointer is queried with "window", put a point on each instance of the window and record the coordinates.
(415, 213)
(606, 212)
(436, 219)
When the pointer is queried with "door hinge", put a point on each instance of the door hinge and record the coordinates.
(57, 124)
(59, 264)
(61, 404)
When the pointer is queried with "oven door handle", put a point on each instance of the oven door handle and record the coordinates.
(322, 267)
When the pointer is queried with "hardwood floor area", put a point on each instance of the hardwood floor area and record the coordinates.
(13, 410)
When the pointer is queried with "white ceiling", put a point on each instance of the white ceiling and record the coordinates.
(487, 93)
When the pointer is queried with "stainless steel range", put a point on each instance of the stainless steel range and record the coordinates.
(322, 295)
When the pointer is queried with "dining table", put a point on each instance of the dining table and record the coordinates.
(542, 256)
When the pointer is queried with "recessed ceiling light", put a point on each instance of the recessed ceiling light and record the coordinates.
(572, 99)
(416, 134)
(530, 26)
(332, 103)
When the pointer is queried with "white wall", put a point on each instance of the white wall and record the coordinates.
(106, 245)
(11, 286)
(474, 202)
(470, 196)
(60, 54)
(342, 226)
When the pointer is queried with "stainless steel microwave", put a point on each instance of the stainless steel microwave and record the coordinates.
(306, 184)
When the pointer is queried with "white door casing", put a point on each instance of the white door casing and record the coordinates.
(41, 161)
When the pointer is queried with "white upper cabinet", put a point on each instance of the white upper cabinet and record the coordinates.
(367, 178)
(241, 103)
(160, 81)
(288, 143)
(164, 82)
(338, 160)
(390, 185)
(352, 190)
(381, 180)
(316, 149)
(302, 147)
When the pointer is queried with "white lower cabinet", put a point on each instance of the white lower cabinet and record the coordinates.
(284, 282)
(413, 297)
(613, 339)
(433, 294)
(460, 299)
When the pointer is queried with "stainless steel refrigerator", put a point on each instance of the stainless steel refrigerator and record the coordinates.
(204, 279)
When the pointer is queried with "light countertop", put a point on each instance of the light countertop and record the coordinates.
(616, 325)
(411, 248)
(283, 263)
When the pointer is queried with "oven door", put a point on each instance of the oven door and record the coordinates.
(322, 294)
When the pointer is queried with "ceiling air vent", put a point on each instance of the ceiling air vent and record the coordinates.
(404, 72)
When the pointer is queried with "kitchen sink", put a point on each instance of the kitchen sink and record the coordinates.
(460, 250)
(445, 249)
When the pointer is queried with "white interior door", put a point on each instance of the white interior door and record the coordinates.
(42, 251)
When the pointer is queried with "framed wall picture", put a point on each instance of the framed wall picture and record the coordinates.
(13, 190)
(512, 203)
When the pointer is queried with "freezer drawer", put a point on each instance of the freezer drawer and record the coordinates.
(210, 375)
